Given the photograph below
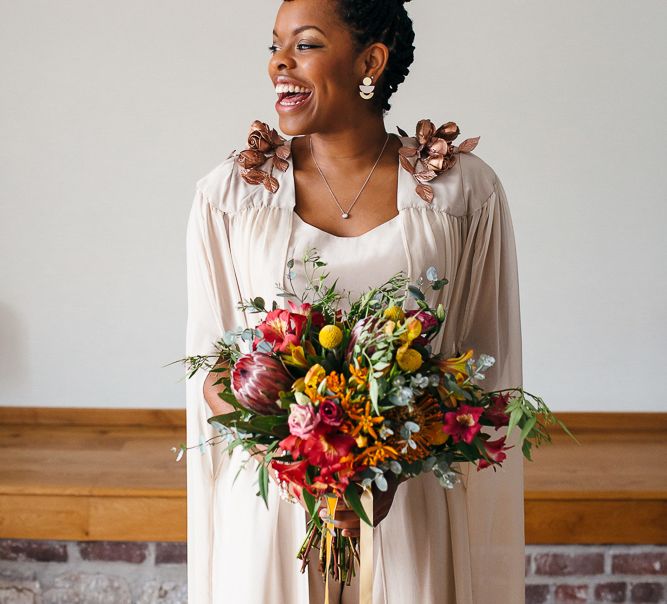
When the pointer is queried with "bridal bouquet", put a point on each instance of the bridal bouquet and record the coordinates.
(337, 402)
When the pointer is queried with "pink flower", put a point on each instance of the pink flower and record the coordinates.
(256, 381)
(331, 413)
(302, 420)
(462, 424)
(495, 449)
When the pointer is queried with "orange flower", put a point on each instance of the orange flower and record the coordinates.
(360, 375)
(365, 420)
(376, 454)
(456, 365)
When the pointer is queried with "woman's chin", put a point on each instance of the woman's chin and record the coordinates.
(294, 119)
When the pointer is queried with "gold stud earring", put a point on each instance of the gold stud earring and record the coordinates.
(365, 89)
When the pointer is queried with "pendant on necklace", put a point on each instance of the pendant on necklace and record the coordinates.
(345, 215)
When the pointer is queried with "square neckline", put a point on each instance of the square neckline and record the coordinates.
(399, 190)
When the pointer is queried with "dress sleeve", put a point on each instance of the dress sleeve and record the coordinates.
(212, 295)
(491, 324)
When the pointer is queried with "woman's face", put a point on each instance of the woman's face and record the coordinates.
(313, 50)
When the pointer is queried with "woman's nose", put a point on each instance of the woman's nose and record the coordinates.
(281, 60)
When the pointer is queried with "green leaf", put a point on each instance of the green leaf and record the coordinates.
(528, 426)
(374, 392)
(353, 499)
(311, 505)
(525, 448)
(515, 416)
(264, 484)
(416, 292)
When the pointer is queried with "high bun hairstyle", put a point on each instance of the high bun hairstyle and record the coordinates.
(384, 21)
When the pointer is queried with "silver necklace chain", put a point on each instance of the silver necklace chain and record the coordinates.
(345, 214)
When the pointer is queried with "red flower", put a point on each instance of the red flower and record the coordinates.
(331, 413)
(463, 423)
(495, 450)
(257, 380)
(336, 475)
(292, 472)
(306, 309)
(324, 449)
(281, 328)
(495, 412)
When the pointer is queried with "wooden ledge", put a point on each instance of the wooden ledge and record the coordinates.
(109, 474)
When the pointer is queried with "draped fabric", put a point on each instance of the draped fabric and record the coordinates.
(436, 546)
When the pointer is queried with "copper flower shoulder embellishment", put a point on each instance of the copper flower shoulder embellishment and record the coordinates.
(434, 155)
(263, 142)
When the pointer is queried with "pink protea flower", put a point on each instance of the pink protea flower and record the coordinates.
(462, 424)
(365, 324)
(257, 380)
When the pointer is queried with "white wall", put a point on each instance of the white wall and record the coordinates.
(109, 113)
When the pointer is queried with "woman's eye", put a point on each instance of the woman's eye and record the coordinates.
(300, 46)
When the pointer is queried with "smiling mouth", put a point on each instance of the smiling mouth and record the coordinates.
(290, 99)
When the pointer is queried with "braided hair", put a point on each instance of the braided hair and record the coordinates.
(384, 21)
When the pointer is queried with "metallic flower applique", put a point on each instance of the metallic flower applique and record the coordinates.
(263, 142)
(434, 155)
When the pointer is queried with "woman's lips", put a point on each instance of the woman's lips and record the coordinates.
(290, 102)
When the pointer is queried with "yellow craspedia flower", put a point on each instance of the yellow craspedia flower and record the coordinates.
(394, 313)
(330, 336)
(408, 359)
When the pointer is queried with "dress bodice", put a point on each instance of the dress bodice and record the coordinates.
(359, 262)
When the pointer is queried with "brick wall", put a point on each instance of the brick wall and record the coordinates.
(557, 574)
(104, 572)
(60, 572)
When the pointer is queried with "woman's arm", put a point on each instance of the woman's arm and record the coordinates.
(217, 405)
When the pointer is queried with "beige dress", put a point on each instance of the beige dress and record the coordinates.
(436, 546)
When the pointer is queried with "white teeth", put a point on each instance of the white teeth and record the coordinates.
(290, 88)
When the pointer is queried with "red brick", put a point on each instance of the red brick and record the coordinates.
(646, 593)
(113, 551)
(171, 553)
(569, 564)
(645, 563)
(571, 594)
(611, 592)
(537, 594)
(38, 551)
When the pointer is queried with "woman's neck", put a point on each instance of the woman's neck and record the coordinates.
(351, 147)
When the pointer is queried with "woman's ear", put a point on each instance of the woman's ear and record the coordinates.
(375, 60)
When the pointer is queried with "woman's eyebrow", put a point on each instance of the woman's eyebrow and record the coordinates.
(300, 29)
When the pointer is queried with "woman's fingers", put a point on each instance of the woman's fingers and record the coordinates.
(344, 519)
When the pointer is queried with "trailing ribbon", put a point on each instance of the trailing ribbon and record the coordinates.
(332, 502)
(366, 550)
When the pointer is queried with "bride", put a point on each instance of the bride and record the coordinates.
(340, 183)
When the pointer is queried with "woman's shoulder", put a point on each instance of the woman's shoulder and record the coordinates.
(448, 177)
(254, 168)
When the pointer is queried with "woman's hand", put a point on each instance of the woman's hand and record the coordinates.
(348, 520)
(214, 402)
